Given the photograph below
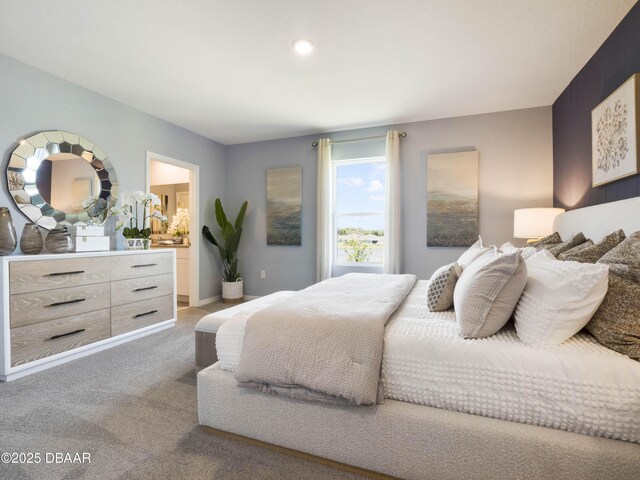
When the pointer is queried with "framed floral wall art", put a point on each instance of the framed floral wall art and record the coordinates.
(614, 134)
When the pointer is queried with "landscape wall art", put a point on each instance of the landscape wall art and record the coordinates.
(284, 206)
(452, 199)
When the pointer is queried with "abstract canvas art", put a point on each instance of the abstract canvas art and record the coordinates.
(614, 134)
(284, 206)
(452, 199)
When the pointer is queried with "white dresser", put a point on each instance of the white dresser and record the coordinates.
(59, 307)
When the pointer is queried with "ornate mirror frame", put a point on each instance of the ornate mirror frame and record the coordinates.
(25, 161)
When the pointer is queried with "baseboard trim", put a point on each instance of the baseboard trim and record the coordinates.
(206, 301)
(250, 297)
(298, 454)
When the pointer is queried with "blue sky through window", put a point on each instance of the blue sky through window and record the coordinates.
(360, 189)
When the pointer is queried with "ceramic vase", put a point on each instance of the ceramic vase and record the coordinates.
(59, 240)
(137, 243)
(8, 238)
(31, 242)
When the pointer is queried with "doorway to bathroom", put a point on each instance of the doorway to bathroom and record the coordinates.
(176, 184)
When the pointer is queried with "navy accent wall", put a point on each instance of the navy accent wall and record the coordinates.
(616, 60)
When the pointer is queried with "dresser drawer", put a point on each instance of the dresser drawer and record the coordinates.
(136, 289)
(38, 275)
(132, 316)
(141, 265)
(36, 307)
(44, 339)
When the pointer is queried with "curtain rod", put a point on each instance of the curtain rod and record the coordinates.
(401, 135)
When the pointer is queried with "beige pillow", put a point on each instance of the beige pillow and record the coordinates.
(487, 293)
(441, 285)
(474, 251)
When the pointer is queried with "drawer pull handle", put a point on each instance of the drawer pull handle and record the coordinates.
(67, 334)
(144, 265)
(57, 304)
(57, 274)
(142, 289)
(145, 313)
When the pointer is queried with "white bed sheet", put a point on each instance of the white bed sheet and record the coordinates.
(579, 386)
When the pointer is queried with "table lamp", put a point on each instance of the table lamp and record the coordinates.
(534, 223)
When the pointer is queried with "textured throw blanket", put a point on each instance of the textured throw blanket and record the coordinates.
(327, 338)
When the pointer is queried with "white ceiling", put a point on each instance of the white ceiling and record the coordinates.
(225, 68)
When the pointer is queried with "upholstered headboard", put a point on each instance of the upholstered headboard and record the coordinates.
(600, 220)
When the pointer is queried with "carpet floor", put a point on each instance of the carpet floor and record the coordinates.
(133, 408)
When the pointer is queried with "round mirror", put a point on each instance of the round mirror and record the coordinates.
(59, 177)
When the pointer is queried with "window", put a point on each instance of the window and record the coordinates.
(359, 189)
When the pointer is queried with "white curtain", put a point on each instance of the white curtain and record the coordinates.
(392, 249)
(323, 263)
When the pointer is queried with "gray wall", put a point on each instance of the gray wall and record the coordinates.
(515, 150)
(32, 101)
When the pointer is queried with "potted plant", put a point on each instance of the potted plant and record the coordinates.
(232, 289)
(133, 212)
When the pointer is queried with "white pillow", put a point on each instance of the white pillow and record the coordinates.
(441, 285)
(560, 298)
(487, 292)
(474, 251)
(509, 247)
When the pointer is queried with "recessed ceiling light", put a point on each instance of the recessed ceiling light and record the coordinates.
(303, 47)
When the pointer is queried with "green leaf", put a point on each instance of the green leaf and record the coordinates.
(220, 216)
(240, 218)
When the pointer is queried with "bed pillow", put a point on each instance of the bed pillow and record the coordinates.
(575, 241)
(472, 253)
(441, 285)
(624, 260)
(616, 324)
(559, 298)
(575, 250)
(552, 239)
(509, 247)
(487, 293)
(591, 254)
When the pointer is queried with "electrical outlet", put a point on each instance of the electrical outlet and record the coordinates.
(263, 274)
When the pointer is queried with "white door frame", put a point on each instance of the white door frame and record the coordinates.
(194, 218)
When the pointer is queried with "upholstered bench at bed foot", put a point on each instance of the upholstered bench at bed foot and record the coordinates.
(207, 326)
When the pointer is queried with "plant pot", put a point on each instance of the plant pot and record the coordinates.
(232, 292)
(137, 243)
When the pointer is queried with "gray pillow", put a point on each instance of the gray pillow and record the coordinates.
(575, 250)
(441, 286)
(487, 293)
(576, 240)
(552, 239)
(616, 324)
(624, 260)
(593, 253)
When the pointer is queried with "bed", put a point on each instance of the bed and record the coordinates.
(404, 438)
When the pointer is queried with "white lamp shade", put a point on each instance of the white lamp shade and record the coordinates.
(534, 222)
